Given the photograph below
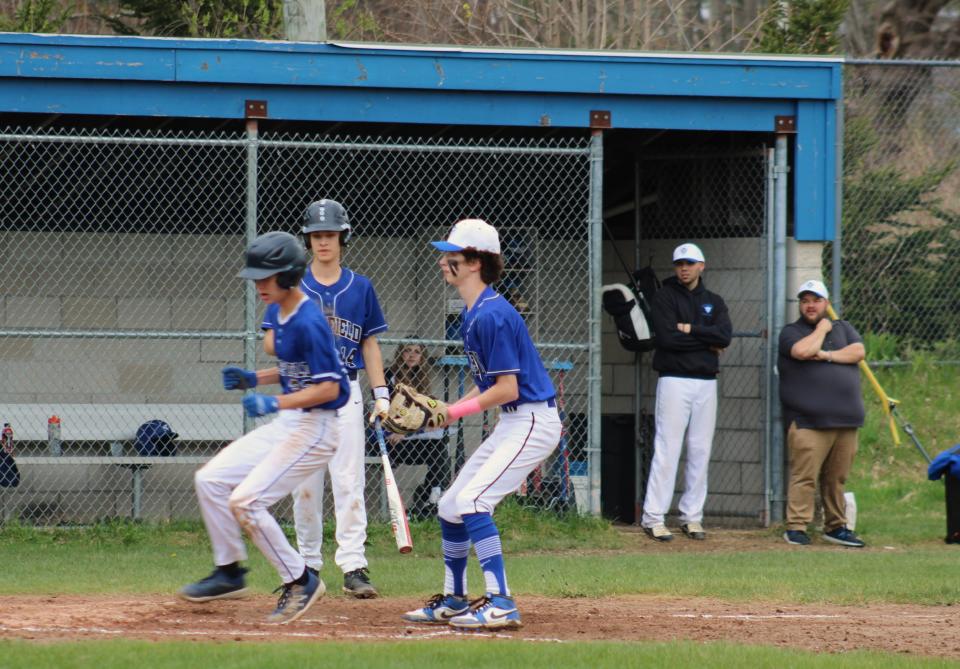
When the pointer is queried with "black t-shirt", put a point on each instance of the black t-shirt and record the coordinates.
(815, 393)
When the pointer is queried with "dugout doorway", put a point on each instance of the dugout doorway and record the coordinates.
(662, 188)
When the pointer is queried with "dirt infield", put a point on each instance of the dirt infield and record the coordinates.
(891, 628)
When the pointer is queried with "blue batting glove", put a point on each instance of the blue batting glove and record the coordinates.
(237, 378)
(257, 405)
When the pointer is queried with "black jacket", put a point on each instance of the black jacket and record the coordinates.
(689, 355)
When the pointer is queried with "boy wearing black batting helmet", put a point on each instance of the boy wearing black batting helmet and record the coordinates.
(238, 486)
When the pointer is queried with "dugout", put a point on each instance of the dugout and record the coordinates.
(135, 169)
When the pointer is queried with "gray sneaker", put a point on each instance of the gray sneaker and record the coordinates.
(296, 599)
(357, 583)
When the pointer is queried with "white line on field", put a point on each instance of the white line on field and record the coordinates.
(753, 616)
(418, 635)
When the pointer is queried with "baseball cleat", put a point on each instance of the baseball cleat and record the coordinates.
(295, 599)
(843, 537)
(659, 532)
(218, 585)
(357, 583)
(489, 612)
(694, 530)
(439, 609)
(796, 537)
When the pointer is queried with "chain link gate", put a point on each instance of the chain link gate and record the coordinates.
(121, 303)
(901, 210)
(720, 201)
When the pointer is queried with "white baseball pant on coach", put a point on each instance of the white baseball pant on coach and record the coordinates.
(239, 484)
(520, 441)
(348, 483)
(683, 406)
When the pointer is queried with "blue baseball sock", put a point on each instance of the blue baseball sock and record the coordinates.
(455, 543)
(486, 542)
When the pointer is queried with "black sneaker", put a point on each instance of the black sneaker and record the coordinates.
(843, 537)
(218, 585)
(357, 583)
(796, 537)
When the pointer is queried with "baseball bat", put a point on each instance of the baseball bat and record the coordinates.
(398, 514)
(888, 403)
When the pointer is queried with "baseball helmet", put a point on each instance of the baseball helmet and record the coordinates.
(156, 437)
(327, 216)
(277, 253)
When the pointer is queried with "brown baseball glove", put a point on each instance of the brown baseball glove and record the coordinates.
(412, 411)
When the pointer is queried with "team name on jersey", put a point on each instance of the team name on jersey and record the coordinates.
(343, 328)
(475, 365)
(297, 374)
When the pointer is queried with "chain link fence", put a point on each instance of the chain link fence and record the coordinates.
(121, 303)
(901, 207)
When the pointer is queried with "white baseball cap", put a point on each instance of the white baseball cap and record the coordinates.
(815, 287)
(689, 252)
(471, 233)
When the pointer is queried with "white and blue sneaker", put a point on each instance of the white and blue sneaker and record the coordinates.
(439, 609)
(295, 599)
(218, 585)
(489, 612)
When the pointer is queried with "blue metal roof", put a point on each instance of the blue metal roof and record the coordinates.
(97, 75)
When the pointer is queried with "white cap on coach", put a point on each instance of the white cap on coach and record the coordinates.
(815, 287)
(689, 252)
(471, 233)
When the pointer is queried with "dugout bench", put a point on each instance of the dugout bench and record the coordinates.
(115, 425)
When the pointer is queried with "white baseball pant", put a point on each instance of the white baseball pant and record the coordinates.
(520, 441)
(348, 483)
(239, 484)
(683, 406)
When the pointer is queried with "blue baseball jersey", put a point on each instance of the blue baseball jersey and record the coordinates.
(496, 341)
(305, 351)
(352, 308)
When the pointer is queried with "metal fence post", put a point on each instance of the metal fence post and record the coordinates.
(595, 217)
(249, 290)
(779, 307)
(836, 287)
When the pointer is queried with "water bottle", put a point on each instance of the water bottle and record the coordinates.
(53, 435)
(851, 510)
(6, 438)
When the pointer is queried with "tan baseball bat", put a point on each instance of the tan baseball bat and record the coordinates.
(398, 513)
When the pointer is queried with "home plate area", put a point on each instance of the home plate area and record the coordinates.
(891, 628)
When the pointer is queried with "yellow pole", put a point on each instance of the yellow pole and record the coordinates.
(885, 401)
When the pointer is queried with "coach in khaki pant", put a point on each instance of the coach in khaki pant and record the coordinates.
(820, 393)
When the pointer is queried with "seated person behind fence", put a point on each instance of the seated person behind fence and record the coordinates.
(412, 366)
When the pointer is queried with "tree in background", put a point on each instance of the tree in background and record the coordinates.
(802, 27)
(37, 16)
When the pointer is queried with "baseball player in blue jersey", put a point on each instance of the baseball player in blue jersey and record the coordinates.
(507, 373)
(350, 304)
(238, 485)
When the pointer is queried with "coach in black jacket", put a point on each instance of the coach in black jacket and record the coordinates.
(692, 326)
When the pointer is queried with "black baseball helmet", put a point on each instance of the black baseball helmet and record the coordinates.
(277, 253)
(327, 216)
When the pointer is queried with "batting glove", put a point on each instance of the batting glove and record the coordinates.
(381, 403)
(257, 405)
(237, 378)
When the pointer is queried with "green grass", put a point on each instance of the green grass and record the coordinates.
(463, 654)
(900, 515)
